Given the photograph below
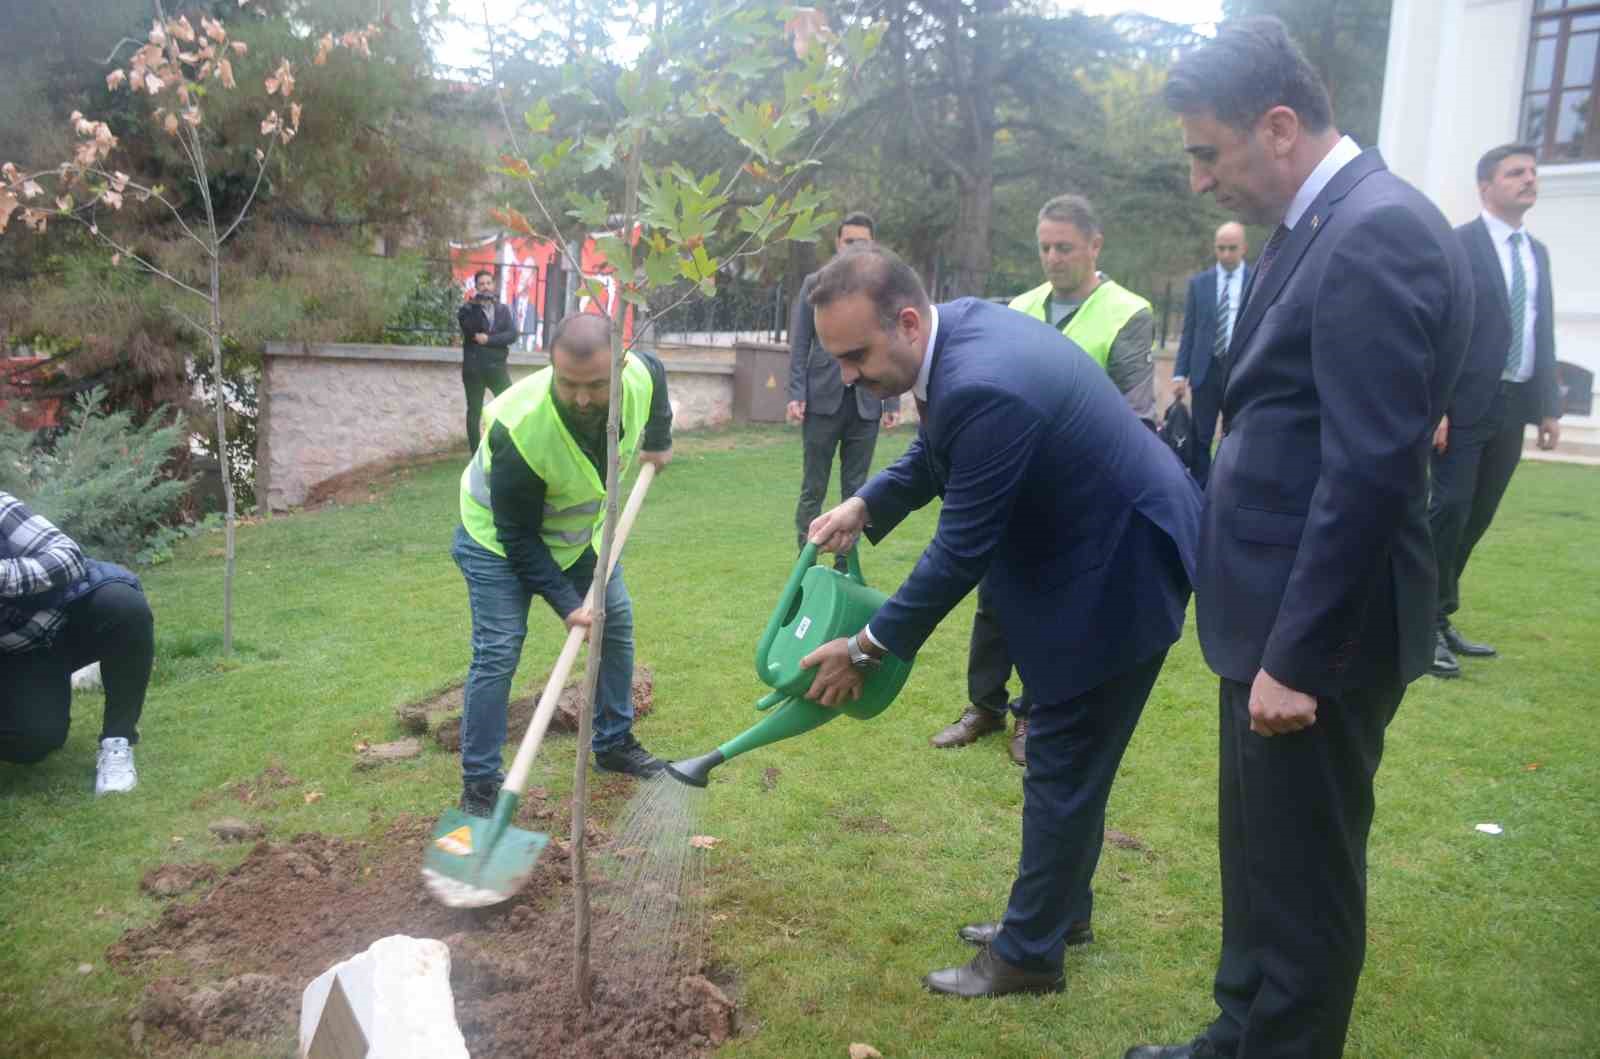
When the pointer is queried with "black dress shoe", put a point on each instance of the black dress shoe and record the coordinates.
(981, 934)
(988, 975)
(1199, 1048)
(1463, 646)
(1444, 664)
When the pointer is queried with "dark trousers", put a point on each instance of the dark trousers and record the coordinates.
(111, 625)
(1074, 748)
(1206, 402)
(853, 438)
(1294, 812)
(480, 369)
(1469, 479)
(989, 661)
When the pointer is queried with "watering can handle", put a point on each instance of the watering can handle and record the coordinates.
(806, 560)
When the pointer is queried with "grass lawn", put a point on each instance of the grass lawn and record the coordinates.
(836, 889)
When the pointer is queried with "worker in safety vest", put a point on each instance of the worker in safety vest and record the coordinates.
(1116, 327)
(532, 507)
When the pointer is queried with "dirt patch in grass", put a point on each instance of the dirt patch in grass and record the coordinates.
(520, 712)
(372, 481)
(231, 964)
(256, 792)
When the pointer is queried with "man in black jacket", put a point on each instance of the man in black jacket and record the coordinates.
(833, 416)
(487, 332)
(1507, 381)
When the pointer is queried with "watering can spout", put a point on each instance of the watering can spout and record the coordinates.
(695, 770)
(817, 605)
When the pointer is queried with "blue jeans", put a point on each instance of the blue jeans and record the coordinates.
(499, 625)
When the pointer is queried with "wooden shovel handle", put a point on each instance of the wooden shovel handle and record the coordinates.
(517, 778)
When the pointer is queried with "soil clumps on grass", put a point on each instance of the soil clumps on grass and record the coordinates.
(230, 964)
(519, 713)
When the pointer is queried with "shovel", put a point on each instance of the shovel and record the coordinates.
(476, 861)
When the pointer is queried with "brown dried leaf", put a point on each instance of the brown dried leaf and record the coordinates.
(807, 25)
(8, 204)
(312, 797)
(225, 71)
(864, 1051)
(704, 841)
(171, 124)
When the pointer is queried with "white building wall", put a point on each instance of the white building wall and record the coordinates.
(1452, 90)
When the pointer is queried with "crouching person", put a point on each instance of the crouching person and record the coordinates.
(532, 508)
(61, 611)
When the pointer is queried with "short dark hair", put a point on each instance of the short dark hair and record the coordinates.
(858, 219)
(1489, 164)
(1250, 67)
(875, 271)
(1074, 210)
(582, 335)
(481, 272)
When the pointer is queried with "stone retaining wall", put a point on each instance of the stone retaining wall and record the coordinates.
(329, 409)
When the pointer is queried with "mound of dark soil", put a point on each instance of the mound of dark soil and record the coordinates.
(233, 962)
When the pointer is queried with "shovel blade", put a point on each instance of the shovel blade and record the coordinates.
(477, 861)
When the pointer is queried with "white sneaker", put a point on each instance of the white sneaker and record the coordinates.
(113, 770)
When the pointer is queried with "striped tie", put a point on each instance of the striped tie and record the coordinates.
(1519, 309)
(1219, 349)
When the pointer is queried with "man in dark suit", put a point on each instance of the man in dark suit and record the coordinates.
(834, 416)
(1316, 591)
(1082, 522)
(487, 331)
(1209, 311)
(1508, 380)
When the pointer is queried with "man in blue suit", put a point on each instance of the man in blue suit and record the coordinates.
(1084, 524)
(1315, 597)
(1507, 381)
(1213, 303)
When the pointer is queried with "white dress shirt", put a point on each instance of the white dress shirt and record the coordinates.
(1344, 152)
(1233, 283)
(1500, 234)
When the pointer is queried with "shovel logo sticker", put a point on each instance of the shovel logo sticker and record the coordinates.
(458, 841)
(801, 629)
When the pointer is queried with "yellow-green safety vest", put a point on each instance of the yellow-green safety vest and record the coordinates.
(574, 500)
(1098, 320)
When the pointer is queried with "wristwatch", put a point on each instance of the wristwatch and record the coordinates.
(858, 655)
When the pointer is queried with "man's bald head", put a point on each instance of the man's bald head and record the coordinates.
(580, 357)
(1230, 245)
(582, 335)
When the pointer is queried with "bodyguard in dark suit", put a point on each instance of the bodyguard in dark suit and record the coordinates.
(1084, 525)
(1508, 381)
(487, 331)
(1316, 588)
(834, 416)
(1209, 312)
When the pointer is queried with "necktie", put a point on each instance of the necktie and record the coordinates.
(1264, 262)
(1519, 308)
(1219, 349)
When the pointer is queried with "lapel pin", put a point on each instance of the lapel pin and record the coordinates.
(1316, 219)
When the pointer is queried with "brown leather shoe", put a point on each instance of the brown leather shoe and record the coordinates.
(975, 723)
(981, 934)
(988, 975)
(1019, 742)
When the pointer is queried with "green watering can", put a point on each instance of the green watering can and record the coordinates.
(818, 605)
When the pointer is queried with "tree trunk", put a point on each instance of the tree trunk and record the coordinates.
(967, 264)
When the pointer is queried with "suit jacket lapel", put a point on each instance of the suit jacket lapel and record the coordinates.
(1489, 260)
(1298, 242)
